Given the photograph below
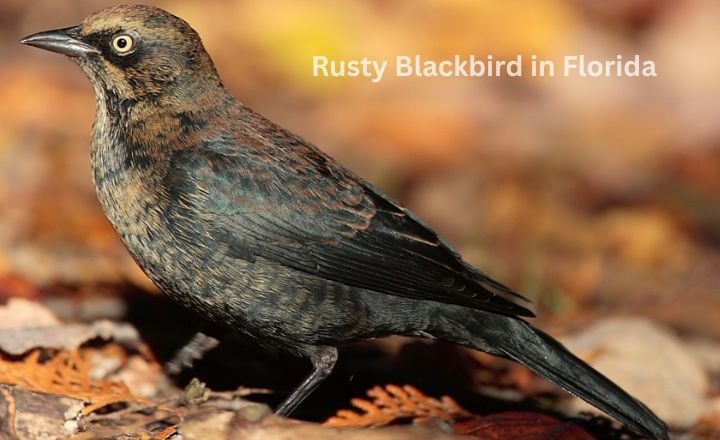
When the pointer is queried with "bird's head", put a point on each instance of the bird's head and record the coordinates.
(135, 52)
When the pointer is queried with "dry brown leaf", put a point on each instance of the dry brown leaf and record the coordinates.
(21, 338)
(26, 414)
(65, 373)
(165, 434)
(22, 313)
(520, 425)
(391, 403)
(16, 286)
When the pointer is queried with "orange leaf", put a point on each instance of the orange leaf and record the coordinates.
(391, 403)
(66, 373)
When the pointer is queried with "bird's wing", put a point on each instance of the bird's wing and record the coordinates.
(283, 200)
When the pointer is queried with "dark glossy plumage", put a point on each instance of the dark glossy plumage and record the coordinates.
(280, 199)
(257, 230)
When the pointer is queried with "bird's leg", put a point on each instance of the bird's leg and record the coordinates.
(323, 360)
(194, 350)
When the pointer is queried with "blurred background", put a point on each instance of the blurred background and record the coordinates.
(579, 192)
(594, 197)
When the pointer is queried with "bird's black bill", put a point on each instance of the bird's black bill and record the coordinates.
(62, 41)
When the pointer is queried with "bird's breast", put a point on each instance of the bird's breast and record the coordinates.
(131, 199)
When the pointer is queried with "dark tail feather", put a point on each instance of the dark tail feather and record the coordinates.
(517, 340)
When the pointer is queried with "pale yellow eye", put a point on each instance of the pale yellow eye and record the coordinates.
(123, 44)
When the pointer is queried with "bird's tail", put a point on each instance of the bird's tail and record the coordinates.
(517, 340)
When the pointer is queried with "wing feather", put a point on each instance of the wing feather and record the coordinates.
(312, 215)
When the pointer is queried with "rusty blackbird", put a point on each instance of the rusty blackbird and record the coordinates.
(256, 229)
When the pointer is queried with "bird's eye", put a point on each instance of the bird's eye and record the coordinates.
(123, 44)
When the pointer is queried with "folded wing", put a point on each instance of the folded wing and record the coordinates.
(308, 213)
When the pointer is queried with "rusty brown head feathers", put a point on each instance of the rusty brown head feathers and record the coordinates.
(136, 52)
(258, 230)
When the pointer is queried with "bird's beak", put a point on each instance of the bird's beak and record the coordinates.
(65, 41)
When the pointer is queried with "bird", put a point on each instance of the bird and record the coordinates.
(256, 229)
